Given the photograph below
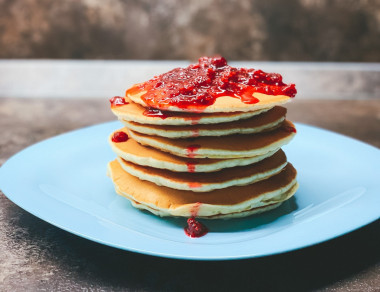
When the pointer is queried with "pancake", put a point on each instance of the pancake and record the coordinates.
(229, 202)
(223, 103)
(232, 146)
(135, 112)
(275, 203)
(134, 152)
(204, 182)
(258, 123)
(212, 86)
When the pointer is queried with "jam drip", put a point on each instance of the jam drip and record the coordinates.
(195, 228)
(195, 209)
(191, 150)
(190, 166)
(195, 133)
(194, 185)
(156, 113)
(289, 129)
(199, 85)
(119, 137)
(194, 120)
(118, 101)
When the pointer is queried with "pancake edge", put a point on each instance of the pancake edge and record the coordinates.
(199, 187)
(220, 164)
(215, 211)
(176, 121)
(200, 133)
(209, 153)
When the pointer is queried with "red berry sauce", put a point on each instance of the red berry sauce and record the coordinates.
(190, 166)
(289, 129)
(195, 228)
(119, 137)
(195, 133)
(118, 101)
(194, 185)
(191, 149)
(199, 85)
(152, 112)
(195, 209)
(195, 120)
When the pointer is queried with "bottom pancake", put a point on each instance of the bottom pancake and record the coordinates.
(240, 214)
(236, 201)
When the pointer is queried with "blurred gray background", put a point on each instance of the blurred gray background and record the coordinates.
(291, 30)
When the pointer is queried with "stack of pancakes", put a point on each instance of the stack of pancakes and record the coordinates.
(224, 162)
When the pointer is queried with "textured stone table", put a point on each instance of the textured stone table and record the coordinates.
(36, 256)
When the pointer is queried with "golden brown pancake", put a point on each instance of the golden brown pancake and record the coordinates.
(135, 112)
(213, 204)
(204, 182)
(134, 152)
(232, 146)
(258, 123)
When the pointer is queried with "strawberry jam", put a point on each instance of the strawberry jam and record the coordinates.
(195, 209)
(195, 133)
(119, 137)
(289, 129)
(156, 113)
(191, 149)
(199, 85)
(190, 166)
(195, 228)
(194, 185)
(194, 120)
(118, 101)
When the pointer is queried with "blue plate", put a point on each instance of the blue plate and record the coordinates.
(63, 181)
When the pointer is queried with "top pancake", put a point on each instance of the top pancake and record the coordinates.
(135, 112)
(212, 86)
(223, 103)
